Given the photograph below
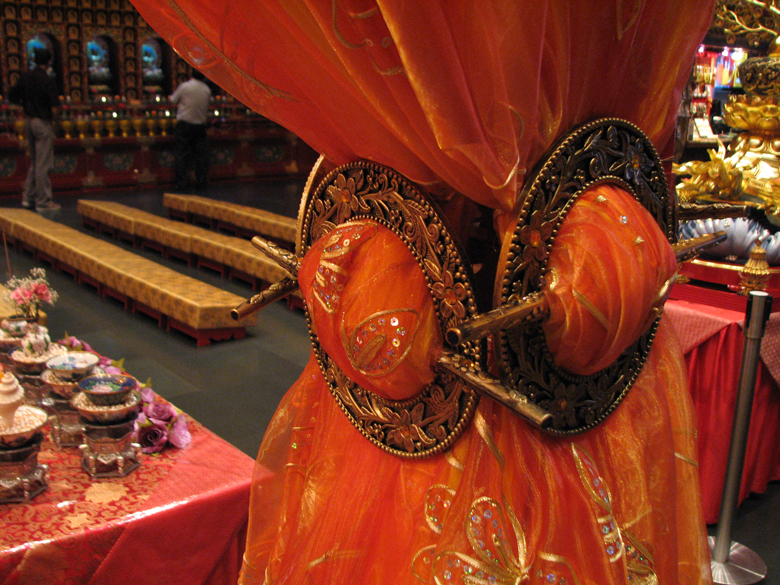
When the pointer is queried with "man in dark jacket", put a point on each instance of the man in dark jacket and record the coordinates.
(36, 92)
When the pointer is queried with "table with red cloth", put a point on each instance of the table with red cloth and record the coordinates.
(712, 341)
(179, 518)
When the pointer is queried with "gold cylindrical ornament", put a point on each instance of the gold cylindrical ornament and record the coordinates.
(755, 274)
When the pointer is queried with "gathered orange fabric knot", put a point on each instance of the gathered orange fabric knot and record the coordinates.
(609, 262)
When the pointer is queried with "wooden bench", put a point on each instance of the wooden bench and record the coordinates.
(241, 220)
(232, 257)
(176, 301)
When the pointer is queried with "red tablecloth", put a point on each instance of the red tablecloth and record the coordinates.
(179, 518)
(712, 342)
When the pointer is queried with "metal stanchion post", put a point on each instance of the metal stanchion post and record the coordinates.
(733, 563)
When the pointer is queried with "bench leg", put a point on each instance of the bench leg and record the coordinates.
(86, 279)
(138, 307)
(115, 294)
(204, 337)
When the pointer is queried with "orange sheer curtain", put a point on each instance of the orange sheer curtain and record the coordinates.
(468, 93)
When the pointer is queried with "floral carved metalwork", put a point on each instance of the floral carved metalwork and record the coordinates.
(758, 21)
(608, 150)
(431, 421)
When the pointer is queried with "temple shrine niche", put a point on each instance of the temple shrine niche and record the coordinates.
(99, 56)
(152, 67)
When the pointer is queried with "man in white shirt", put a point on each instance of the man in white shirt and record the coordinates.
(190, 147)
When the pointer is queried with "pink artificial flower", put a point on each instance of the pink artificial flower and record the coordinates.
(112, 370)
(179, 435)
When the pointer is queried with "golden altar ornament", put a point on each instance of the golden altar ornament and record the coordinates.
(67, 127)
(748, 171)
(111, 125)
(97, 126)
(138, 125)
(755, 274)
(19, 126)
(82, 124)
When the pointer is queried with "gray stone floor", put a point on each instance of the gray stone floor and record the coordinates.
(234, 387)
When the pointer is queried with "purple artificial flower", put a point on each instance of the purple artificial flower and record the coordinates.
(152, 437)
(70, 342)
(159, 412)
(141, 420)
(112, 370)
(147, 394)
(179, 435)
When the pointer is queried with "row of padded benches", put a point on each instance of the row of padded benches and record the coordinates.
(233, 257)
(177, 301)
(241, 220)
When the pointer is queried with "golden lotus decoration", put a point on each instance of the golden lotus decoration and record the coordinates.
(752, 113)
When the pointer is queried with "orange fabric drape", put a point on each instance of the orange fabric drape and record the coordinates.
(468, 93)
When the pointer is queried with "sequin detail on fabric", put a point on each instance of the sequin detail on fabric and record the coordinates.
(381, 342)
(618, 543)
(332, 276)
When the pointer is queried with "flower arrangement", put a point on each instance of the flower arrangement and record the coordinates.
(30, 292)
(160, 424)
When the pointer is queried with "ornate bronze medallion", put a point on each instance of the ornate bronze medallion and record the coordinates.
(428, 423)
(607, 150)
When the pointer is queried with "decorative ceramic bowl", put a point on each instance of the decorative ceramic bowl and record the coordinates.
(7, 345)
(106, 414)
(33, 365)
(14, 326)
(28, 421)
(58, 386)
(72, 366)
(108, 389)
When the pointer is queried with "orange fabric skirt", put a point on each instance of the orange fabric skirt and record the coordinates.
(507, 504)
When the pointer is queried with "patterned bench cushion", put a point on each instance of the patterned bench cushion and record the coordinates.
(109, 213)
(175, 201)
(163, 231)
(270, 225)
(242, 255)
